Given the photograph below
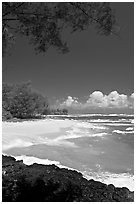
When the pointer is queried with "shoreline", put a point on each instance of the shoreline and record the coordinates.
(110, 178)
(53, 127)
(88, 190)
(68, 116)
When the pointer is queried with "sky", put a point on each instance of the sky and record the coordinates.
(97, 75)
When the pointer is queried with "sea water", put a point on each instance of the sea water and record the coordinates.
(99, 146)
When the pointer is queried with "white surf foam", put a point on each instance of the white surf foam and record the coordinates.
(99, 127)
(27, 133)
(89, 125)
(100, 134)
(16, 143)
(31, 133)
(129, 128)
(117, 124)
(132, 121)
(99, 114)
(122, 132)
(118, 180)
(29, 160)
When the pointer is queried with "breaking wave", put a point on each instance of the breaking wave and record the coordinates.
(29, 160)
(61, 132)
(130, 128)
(122, 132)
(118, 180)
(98, 114)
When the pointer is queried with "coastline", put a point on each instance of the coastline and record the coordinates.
(52, 129)
(118, 180)
(19, 180)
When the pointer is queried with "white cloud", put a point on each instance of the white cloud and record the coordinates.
(117, 100)
(98, 100)
(70, 102)
(113, 100)
(132, 96)
(131, 101)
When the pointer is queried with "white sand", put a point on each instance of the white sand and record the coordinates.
(49, 132)
(27, 133)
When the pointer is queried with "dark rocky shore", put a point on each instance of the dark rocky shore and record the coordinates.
(45, 183)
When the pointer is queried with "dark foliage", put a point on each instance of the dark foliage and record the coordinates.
(21, 101)
(44, 183)
(65, 111)
(6, 115)
(44, 22)
(57, 111)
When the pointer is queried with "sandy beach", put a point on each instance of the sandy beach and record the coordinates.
(27, 133)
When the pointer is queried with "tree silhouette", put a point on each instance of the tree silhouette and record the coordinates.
(44, 22)
(21, 101)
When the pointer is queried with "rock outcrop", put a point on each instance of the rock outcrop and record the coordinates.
(49, 183)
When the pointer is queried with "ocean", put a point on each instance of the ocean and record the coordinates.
(99, 146)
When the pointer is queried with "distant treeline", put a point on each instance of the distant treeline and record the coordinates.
(57, 111)
(20, 101)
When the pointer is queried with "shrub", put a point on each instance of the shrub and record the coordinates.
(22, 102)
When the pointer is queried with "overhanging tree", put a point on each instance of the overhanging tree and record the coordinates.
(44, 22)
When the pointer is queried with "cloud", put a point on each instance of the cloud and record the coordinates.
(132, 96)
(117, 100)
(70, 102)
(131, 101)
(98, 100)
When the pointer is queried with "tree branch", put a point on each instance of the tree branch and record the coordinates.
(8, 12)
(10, 19)
(33, 14)
(96, 20)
